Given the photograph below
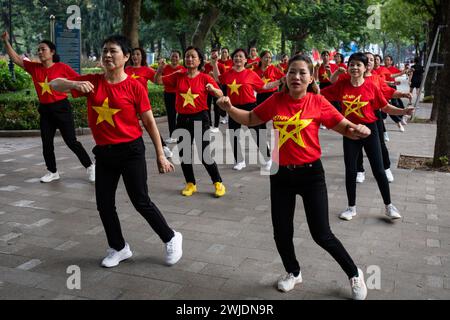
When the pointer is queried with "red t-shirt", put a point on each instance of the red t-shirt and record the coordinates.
(323, 74)
(250, 60)
(383, 72)
(298, 122)
(113, 108)
(358, 103)
(168, 70)
(392, 70)
(191, 92)
(142, 74)
(241, 86)
(226, 63)
(271, 73)
(42, 76)
(208, 69)
(284, 67)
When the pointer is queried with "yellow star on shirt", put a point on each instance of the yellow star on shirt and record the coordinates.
(134, 76)
(355, 107)
(234, 87)
(325, 76)
(105, 113)
(294, 134)
(266, 81)
(189, 98)
(45, 87)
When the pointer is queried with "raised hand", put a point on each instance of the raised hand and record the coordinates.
(224, 103)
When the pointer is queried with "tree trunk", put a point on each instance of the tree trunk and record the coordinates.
(207, 20)
(442, 101)
(283, 42)
(131, 14)
(183, 41)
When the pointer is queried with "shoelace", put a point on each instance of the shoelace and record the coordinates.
(356, 282)
(288, 277)
(110, 252)
(170, 246)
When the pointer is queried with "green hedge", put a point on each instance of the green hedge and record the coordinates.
(18, 111)
(23, 79)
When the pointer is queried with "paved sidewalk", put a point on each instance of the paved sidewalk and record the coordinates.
(229, 252)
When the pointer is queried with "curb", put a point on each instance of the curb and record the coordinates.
(37, 133)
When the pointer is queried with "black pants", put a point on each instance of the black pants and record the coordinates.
(126, 160)
(352, 149)
(217, 112)
(187, 121)
(384, 149)
(260, 140)
(397, 102)
(310, 184)
(169, 102)
(58, 115)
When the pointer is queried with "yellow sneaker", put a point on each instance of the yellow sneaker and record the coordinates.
(220, 189)
(189, 189)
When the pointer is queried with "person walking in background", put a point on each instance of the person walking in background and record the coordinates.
(140, 71)
(55, 109)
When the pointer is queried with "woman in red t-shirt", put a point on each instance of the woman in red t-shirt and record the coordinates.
(283, 65)
(192, 92)
(170, 92)
(296, 115)
(140, 71)
(241, 86)
(268, 73)
(253, 60)
(359, 99)
(208, 69)
(54, 109)
(325, 70)
(114, 102)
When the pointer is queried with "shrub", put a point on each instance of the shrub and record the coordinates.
(23, 79)
(19, 111)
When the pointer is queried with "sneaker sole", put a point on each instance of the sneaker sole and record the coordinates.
(49, 181)
(115, 265)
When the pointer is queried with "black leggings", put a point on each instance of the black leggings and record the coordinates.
(310, 184)
(58, 115)
(126, 160)
(238, 156)
(384, 149)
(352, 149)
(217, 112)
(187, 122)
(397, 102)
(169, 102)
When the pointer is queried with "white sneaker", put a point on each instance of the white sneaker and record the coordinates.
(239, 166)
(170, 140)
(404, 120)
(360, 177)
(392, 212)
(288, 281)
(323, 127)
(389, 175)
(266, 166)
(167, 152)
(400, 127)
(224, 120)
(215, 130)
(359, 289)
(174, 249)
(114, 257)
(386, 137)
(91, 172)
(50, 176)
(348, 214)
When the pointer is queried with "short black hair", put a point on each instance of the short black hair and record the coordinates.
(122, 41)
(201, 56)
(52, 47)
(359, 56)
(239, 50)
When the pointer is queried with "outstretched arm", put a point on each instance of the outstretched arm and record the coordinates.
(10, 51)
(351, 130)
(64, 85)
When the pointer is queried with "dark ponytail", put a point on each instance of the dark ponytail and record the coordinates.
(51, 45)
